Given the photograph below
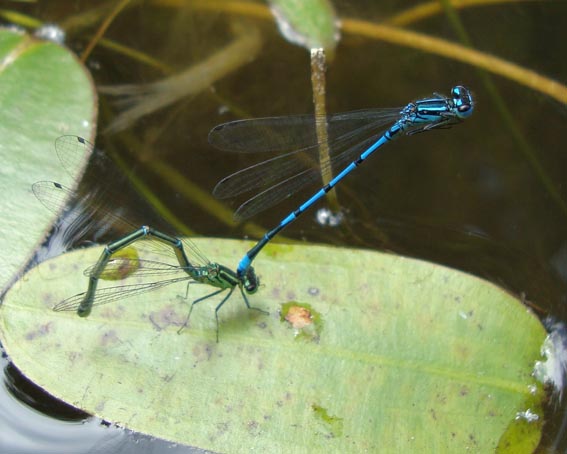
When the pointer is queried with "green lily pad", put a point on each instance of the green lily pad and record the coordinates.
(44, 92)
(312, 24)
(361, 352)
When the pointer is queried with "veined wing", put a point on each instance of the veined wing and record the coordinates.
(110, 294)
(90, 213)
(122, 267)
(279, 177)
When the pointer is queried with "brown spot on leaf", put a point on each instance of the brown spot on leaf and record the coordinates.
(299, 317)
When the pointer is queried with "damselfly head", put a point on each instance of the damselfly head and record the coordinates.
(463, 101)
(250, 281)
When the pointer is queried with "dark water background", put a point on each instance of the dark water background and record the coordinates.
(468, 197)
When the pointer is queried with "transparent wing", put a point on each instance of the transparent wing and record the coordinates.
(73, 151)
(279, 177)
(121, 267)
(111, 294)
(90, 211)
(293, 132)
(286, 188)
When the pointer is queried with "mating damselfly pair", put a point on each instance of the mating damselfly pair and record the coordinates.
(352, 138)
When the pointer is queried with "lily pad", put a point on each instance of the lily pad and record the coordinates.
(361, 352)
(44, 92)
(312, 24)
